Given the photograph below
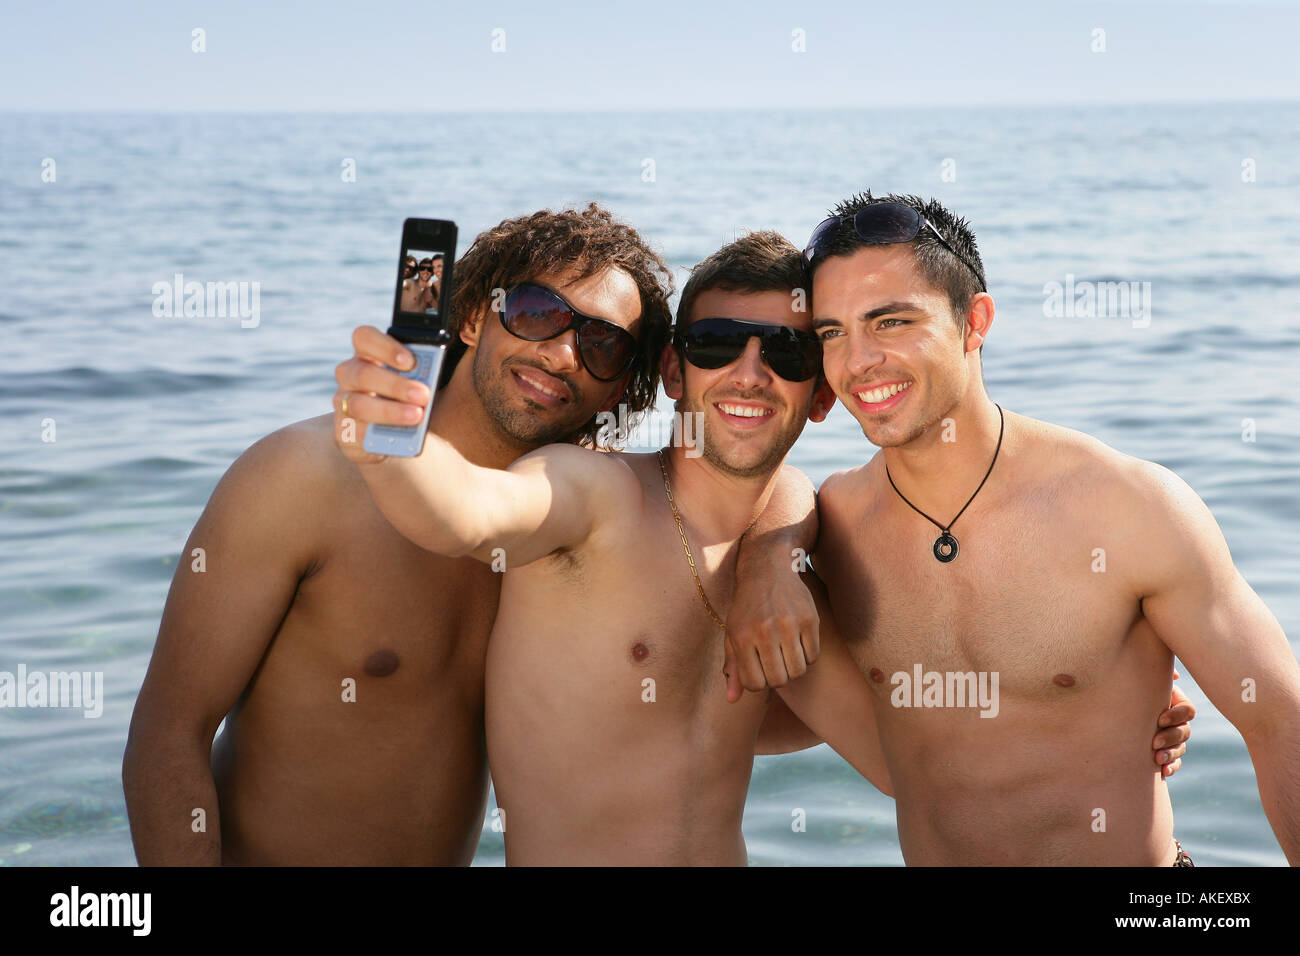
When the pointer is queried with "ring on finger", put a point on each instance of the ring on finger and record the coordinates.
(343, 406)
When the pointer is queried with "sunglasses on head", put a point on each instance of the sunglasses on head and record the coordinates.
(882, 223)
(793, 354)
(534, 313)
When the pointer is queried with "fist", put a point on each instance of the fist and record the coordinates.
(371, 393)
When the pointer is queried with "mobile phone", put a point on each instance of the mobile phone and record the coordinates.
(420, 306)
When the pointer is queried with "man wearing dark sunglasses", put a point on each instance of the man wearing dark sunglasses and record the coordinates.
(983, 542)
(347, 663)
(611, 737)
(415, 290)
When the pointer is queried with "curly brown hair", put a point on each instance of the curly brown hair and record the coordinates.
(585, 241)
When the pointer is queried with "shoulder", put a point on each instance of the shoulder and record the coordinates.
(1050, 455)
(1153, 512)
(847, 485)
(582, 467)
(1090, 466)
(304, 451)
(290, 472)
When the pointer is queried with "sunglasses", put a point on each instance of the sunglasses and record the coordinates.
(535, 313)
(715, 343)
(426, 268)
(883, 223)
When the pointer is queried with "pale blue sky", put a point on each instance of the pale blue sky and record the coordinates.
(436, 54)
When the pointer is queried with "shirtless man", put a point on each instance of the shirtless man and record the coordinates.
(435, 282)
(610, 735)
(415, 290)
(1077, 575)
(346, 661)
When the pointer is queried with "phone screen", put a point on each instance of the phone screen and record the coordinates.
(423, 269)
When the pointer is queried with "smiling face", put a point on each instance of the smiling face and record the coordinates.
(751, 415)
(892, 350)
(540, 392)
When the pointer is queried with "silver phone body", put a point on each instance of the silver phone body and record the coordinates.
(407, 441)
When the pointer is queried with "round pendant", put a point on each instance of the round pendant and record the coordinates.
(945, 547)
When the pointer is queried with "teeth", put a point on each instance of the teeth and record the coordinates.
(744, 411)
(877, 395)
(540, 387)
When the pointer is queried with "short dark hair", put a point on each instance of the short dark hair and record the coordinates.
(941, 268)
(586, 241)
(756, 262)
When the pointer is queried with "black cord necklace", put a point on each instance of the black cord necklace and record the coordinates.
(945, 546)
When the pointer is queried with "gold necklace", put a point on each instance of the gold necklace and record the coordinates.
(690, 559)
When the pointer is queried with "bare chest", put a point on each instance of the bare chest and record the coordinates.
(1026, 599)
(622, 631)
(382, 609)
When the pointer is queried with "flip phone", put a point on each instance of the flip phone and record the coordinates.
(424, 278)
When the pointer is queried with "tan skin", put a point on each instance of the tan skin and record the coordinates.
(1079, 653)
(587, 769)
(598, 599)
(307, 585)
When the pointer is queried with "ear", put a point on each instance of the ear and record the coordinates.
(823, 400)
(670, 371)
(978, 321)
(471, 328)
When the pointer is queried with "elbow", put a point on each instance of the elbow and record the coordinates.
(1271, 731)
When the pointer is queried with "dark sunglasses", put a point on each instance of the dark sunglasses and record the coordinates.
(715, 343)
(426, 268)
(883, 223)
(535, 313)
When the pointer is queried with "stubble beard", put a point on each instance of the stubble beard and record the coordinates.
(769, 462)
(519, 426)
(921, 426)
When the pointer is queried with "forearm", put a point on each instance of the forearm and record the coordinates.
(786, 531)
(165, 781)
(1276, 756)
(834, 702)
(435, 500)
(851, 733)
(782, 732)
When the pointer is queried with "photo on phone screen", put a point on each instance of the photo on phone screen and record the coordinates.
(422, 271)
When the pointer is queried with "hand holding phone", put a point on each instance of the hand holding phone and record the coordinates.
(420, 326)
(377, 389)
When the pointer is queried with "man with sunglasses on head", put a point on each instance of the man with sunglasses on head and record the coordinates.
(611, 737)
(980, 542)
(347, 663)
(435, 283)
